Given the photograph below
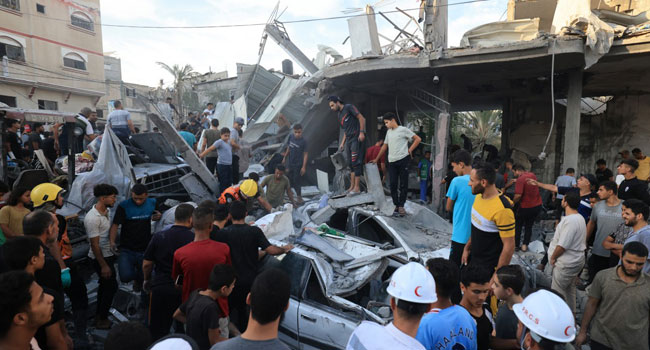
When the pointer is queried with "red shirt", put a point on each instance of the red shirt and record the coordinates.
(195, 262)
(371, 154)
(530, 197)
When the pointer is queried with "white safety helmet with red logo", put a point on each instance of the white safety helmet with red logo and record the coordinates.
(546, 315)
(412, 282)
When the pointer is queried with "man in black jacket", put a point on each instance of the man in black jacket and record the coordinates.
(632, 187)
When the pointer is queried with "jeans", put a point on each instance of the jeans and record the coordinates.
(563, 281)
(525, 220)
(78, 295)
(129, 264)
(399, 173)
(235, 169)
(165, 299)
(295, 180)
(238, 307)
(224, 173)
(211, 163)
(107, 288)
(423, 190)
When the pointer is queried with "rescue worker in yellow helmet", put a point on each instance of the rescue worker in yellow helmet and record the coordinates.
(547, 320)
(49, 197)
(247, 190)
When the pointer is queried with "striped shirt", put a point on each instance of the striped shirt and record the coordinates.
(492, 219)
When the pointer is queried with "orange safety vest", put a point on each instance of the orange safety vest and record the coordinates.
(232, 191)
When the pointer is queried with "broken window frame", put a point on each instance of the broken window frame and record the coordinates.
(10, 4)
(82, 21)
(13, 52)
(48, 105)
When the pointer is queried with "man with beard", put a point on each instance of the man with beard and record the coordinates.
(492, 241)
(98, 224)
(635, 215)
(619, 303)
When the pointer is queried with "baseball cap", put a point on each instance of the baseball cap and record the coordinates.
(240, 121)
(633, 163)
(591, 178)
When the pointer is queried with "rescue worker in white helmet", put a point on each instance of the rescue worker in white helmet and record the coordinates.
(412, 290)
(548, 321)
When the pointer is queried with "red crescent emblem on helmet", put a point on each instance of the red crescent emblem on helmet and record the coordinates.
(416, 291)
(566, 330)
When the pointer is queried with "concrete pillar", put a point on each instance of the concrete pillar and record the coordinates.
(435, 24)
(439, 143)
(572, 125)
(506, 125)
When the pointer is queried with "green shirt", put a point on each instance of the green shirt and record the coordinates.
(621, 320)
(275, 189)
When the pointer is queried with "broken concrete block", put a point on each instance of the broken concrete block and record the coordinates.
(346, 202)
(376, 189)
(322, 215)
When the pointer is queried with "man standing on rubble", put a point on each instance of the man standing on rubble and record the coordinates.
(236, 147)
(399, 157)
(295, 159)
(354, 125)
(492, 241)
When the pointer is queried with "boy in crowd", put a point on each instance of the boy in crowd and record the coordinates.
(602, 171)
(445, 318)
(97, 223)
(605, 219)
(475, 285)
(530, 204)
(507, 286)
(224, 159)
(204, 320)
(459, 201)
(295, 159)
(399, 157)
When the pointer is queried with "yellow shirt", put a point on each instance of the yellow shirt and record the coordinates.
(13, 217)
(643, 171)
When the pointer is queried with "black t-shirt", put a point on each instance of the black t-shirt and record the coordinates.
(297, 148)
(484, 327)
(58, 314)
(202, 314)
(348, 120)
(15, 144)
(603, 175)
(161, 251)
(136, 223)
(634, 188)
(244, 242)
(48, 149)
(506, 323)
(50, 275)
(34, 138)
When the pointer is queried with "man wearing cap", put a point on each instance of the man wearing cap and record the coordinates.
(547, 320)
(632, 187)
(236, 147)
(586, 185)
(643, 171)
(354, 125)
(412, 290)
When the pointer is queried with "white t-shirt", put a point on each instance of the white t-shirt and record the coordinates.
(98, 225)
(398, 143)
(372, 336)
(89, 127)
(570, 234)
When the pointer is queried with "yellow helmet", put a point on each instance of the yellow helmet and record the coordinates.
(248, 188)
(43, 193)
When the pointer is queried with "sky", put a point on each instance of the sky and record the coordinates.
(219, 49)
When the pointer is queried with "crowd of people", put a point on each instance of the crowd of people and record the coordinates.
(200, 281)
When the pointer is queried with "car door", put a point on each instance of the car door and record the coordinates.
(297, 267)
(322, 325)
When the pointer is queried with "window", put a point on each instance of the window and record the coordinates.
(371, 230)
(40, 8)
(12, 49)
(80, 20)
(8, 100)
(297, 267)
(130, 93)
(74, 61)
(49, 105)
(10, 4)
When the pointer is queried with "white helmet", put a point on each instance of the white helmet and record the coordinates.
(547, 315)
(412, 282)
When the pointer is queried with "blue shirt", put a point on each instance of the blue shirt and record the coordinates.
(188, 137)
(297, 148)
(564, 181)
(643, 236)
(461, 193)
(584, 208)
(448, 329)
(135, 233)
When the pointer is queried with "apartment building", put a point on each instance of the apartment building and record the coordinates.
(51, 54)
